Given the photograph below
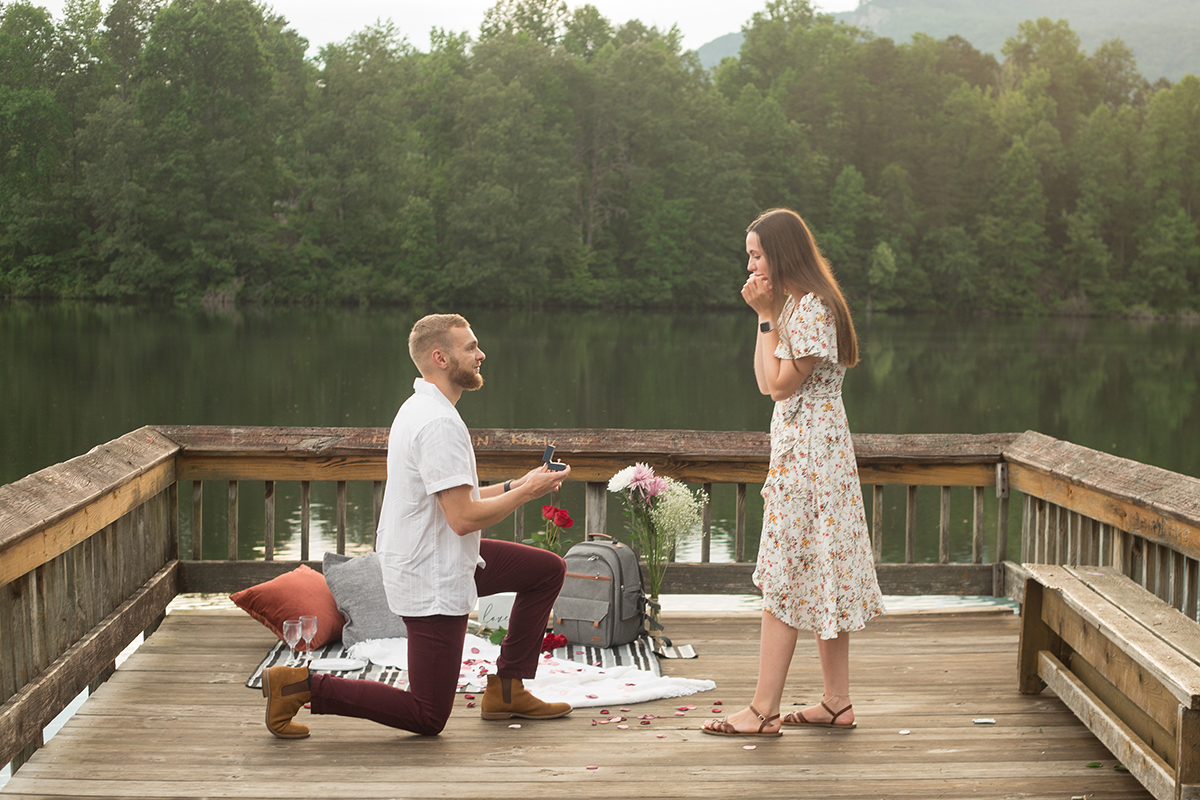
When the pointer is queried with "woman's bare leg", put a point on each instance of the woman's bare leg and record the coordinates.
(835, 675)
(777, 643)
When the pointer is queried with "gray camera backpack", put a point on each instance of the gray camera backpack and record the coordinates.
(601, 603)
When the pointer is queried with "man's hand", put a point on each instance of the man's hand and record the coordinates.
(466, 514)
(541, 481)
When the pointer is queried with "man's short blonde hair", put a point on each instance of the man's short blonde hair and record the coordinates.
(430, 333)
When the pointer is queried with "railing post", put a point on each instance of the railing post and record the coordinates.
(944, 528)
(232, 541)
(595, 508)
(877, 520)
(910, 527)
(173, 521)
(977, 523)
(1178, 580)
(197, 520)
(739, 540)
(1002, 512)
(341, 518)
(269, 521)
(376, 509)
(305, 515)
(1191, 586)
(706, 526)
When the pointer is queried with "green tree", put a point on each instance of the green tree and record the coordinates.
(1120, 82)
(1072, 84)
(359, 205)
(543, 20)
(950, 257)
(203, 85)
(1167, 270)
(1012, 236)
(1173, 145)
(854, 219)
(34, 131)
(881, 276)
(1109, 157)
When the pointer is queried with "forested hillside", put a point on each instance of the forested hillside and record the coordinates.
(189, 150)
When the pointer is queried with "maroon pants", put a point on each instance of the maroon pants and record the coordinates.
(435, 646)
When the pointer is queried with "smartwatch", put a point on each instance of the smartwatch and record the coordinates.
(765, 326)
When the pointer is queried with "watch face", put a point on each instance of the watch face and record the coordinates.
(764, 326)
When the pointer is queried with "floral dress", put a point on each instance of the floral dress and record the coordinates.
(815, 565)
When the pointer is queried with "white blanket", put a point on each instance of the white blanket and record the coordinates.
(581, 685)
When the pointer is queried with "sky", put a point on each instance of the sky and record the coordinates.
(322, 21)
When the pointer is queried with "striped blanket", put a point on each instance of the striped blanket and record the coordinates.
(579, 675)
(638, 654)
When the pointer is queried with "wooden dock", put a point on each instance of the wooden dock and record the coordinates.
(176, 721)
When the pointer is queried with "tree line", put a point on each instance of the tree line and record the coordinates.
(191, 150)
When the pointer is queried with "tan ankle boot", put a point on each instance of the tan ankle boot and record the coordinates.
(505, 698)
(286, 690)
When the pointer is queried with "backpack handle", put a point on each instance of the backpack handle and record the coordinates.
(592, 536)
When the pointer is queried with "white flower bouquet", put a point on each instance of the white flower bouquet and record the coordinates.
(662, 511)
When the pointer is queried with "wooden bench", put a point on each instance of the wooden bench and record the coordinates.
(1127, 664)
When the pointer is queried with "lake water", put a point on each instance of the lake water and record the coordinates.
(76, 375)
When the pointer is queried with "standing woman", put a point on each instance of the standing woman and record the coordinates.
(815, 566)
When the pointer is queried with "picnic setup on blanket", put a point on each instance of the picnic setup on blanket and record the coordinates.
(359, 637)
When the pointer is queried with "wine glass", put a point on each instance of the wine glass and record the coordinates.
(291, 635)
(308, 629)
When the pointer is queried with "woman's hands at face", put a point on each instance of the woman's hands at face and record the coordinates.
(758, 295)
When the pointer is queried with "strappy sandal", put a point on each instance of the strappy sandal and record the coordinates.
(722, 727)
(797, 718)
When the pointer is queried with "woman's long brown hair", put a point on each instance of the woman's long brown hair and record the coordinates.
(798, 268)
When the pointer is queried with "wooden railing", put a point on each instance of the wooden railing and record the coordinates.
(1083, 507)
(89, 549)
(704, 458)
(87, 564)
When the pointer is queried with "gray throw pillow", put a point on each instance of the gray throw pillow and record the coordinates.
(357, 586)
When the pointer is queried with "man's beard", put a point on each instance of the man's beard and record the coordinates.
(467, 379)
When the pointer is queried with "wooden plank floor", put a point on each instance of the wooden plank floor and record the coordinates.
(176, 722)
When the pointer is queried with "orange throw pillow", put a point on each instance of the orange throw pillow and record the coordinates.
(301, 591)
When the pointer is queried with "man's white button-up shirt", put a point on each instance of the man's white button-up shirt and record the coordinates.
(427, 568)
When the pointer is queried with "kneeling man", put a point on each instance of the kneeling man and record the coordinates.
(436, 564)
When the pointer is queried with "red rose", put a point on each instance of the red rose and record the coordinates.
(562, 519)
(553, 641)
(548, 512)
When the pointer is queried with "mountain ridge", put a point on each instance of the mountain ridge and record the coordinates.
(1165, 36)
